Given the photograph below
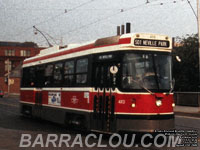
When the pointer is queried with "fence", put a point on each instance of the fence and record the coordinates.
(187, 98)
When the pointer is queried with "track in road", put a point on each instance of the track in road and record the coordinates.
(11, 122)
(188, 122)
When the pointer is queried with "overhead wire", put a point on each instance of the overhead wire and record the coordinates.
(99, 20)
(105, 18)
(66, 11)
(160, 3)
(55, 16)
(112, 15)
(173, 11)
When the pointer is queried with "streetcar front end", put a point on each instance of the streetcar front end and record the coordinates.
(144, 97)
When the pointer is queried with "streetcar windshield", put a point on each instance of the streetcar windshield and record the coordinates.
(146, 70)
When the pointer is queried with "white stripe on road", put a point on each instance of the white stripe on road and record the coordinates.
(7, 104)
(179, 116)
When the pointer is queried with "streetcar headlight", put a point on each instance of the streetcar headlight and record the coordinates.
(133, 103)
(158, 103)
(173, 105)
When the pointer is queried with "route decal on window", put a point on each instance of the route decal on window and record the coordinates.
(54, 98)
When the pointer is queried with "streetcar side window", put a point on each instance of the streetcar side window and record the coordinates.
(69, 73)
(81, 71)
(39, 72)
(25, 77)
(32, 77)
(57, 78)
(48, 75)
(28, 79)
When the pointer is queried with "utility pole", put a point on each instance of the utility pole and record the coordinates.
(198, 26)
(8, 68)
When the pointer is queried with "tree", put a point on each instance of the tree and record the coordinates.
(186, 72)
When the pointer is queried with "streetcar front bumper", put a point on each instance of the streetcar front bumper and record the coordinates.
(144, 123)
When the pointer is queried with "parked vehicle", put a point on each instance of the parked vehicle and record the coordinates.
(1, 93)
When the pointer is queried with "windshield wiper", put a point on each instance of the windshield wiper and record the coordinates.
(172, 86)
(142, 86)
(155, 71)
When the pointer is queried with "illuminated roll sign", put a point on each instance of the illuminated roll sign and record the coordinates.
(103, 57)
(151, 43)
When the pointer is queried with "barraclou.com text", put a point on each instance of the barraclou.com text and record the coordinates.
(92, 140)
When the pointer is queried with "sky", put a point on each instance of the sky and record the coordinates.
(77, 21)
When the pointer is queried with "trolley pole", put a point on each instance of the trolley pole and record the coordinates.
(198, 26)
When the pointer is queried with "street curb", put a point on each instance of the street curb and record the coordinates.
(178, 113)
(11, 96)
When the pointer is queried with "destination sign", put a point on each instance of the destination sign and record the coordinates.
(151, 43)
(103, 57)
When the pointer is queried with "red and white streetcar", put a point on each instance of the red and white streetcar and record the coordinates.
(114, 84)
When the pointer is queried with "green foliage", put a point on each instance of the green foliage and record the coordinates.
(186, 72)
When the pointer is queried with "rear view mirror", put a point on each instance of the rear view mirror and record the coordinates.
(178, 58)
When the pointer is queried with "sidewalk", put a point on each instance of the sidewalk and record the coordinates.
(12, 95)
(187, 111)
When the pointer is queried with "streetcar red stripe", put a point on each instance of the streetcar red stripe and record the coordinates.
(78, 49)
(28, 96)
(125, 41)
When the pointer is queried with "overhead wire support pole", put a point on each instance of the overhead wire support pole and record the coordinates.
(192, 9)
(50, 45)
(198, 26)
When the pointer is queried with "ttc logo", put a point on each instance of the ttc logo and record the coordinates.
(74, 100)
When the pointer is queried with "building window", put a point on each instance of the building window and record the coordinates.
(25, 53)
(10, 52)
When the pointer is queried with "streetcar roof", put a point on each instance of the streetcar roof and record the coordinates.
(122, 41)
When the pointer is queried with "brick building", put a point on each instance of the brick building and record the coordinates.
(12, 55)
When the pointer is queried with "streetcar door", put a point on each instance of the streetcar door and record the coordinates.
(38, 103)
(39, 72)
(104, 100)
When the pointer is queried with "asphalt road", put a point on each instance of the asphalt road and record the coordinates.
(13, 127)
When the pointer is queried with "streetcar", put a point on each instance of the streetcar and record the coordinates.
(115, 84)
